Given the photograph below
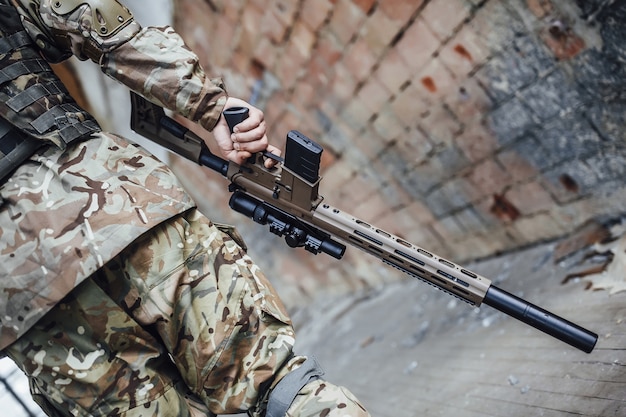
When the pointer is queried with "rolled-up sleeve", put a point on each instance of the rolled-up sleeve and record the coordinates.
(157, 64)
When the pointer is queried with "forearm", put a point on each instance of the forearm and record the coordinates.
(156, 64)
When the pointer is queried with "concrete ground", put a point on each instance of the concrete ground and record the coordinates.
(407, 349)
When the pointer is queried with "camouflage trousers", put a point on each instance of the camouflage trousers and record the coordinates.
(182, 323)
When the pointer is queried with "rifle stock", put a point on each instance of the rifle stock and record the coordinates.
(286, 198)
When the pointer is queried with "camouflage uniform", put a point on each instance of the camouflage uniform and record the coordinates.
(116, 296)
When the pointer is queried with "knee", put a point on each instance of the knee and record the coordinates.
(321, 398)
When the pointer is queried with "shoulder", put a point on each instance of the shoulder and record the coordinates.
(85, 28)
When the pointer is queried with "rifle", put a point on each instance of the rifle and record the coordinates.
(286, 197)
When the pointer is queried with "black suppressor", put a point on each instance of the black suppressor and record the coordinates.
(541, 319)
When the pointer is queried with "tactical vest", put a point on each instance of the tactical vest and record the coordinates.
(35, 107)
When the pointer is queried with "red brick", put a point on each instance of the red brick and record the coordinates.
(489, 178)
(517, 165)
(273, 27)
(378, 31)
(319, 74)
(530, 198)
(329, 158)
(440, 126)
(474, 247)
(400, 10)
(397, 197)
(448, 228)
(339, 137)
(387, 125)
(346, 20)
(483, 207)
(289, 66)
(491, 24)
(575, 212)
(370, 145)
(435, 80)
(219, 52)
(469, 102)
(443, 16)
(240, 64)
(343, 83)
(328, 49)
(303, 39)
(373, 205)
(250, 30)
(230, 9)
(259, 4)
(359, 60)
(470, 191)
(409, 106)
(334, 179)
(374, 95)
(304, 94)
(274, 107)
(365, 5)
(356, 114)
(420, 212)
(476, 142)
(310, 126)
(389, 222)
(238, 84)
(393, 71)
(357, 190)
(537, 228)
(288, 120)
(266, 54)
(315, 12)
(414, 146)
(464, 52)
(284, 10)
(417, 45)
(540, 8)
(426, 238)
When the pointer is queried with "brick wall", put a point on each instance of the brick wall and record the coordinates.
(467, 127)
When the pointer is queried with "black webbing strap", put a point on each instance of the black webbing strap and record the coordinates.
(14, 41)
(283, 394)
(72, 129)
(65, 118)
(29, 66)
(34, 93)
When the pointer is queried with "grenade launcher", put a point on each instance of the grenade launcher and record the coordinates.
(286, 198)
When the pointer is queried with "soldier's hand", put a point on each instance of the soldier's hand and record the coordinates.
(249, 136)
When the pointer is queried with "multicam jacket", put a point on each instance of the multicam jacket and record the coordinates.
(70, 208)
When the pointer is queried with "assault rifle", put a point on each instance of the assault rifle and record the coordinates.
(286, 198)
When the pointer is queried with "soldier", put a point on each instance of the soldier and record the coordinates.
(117, 297)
